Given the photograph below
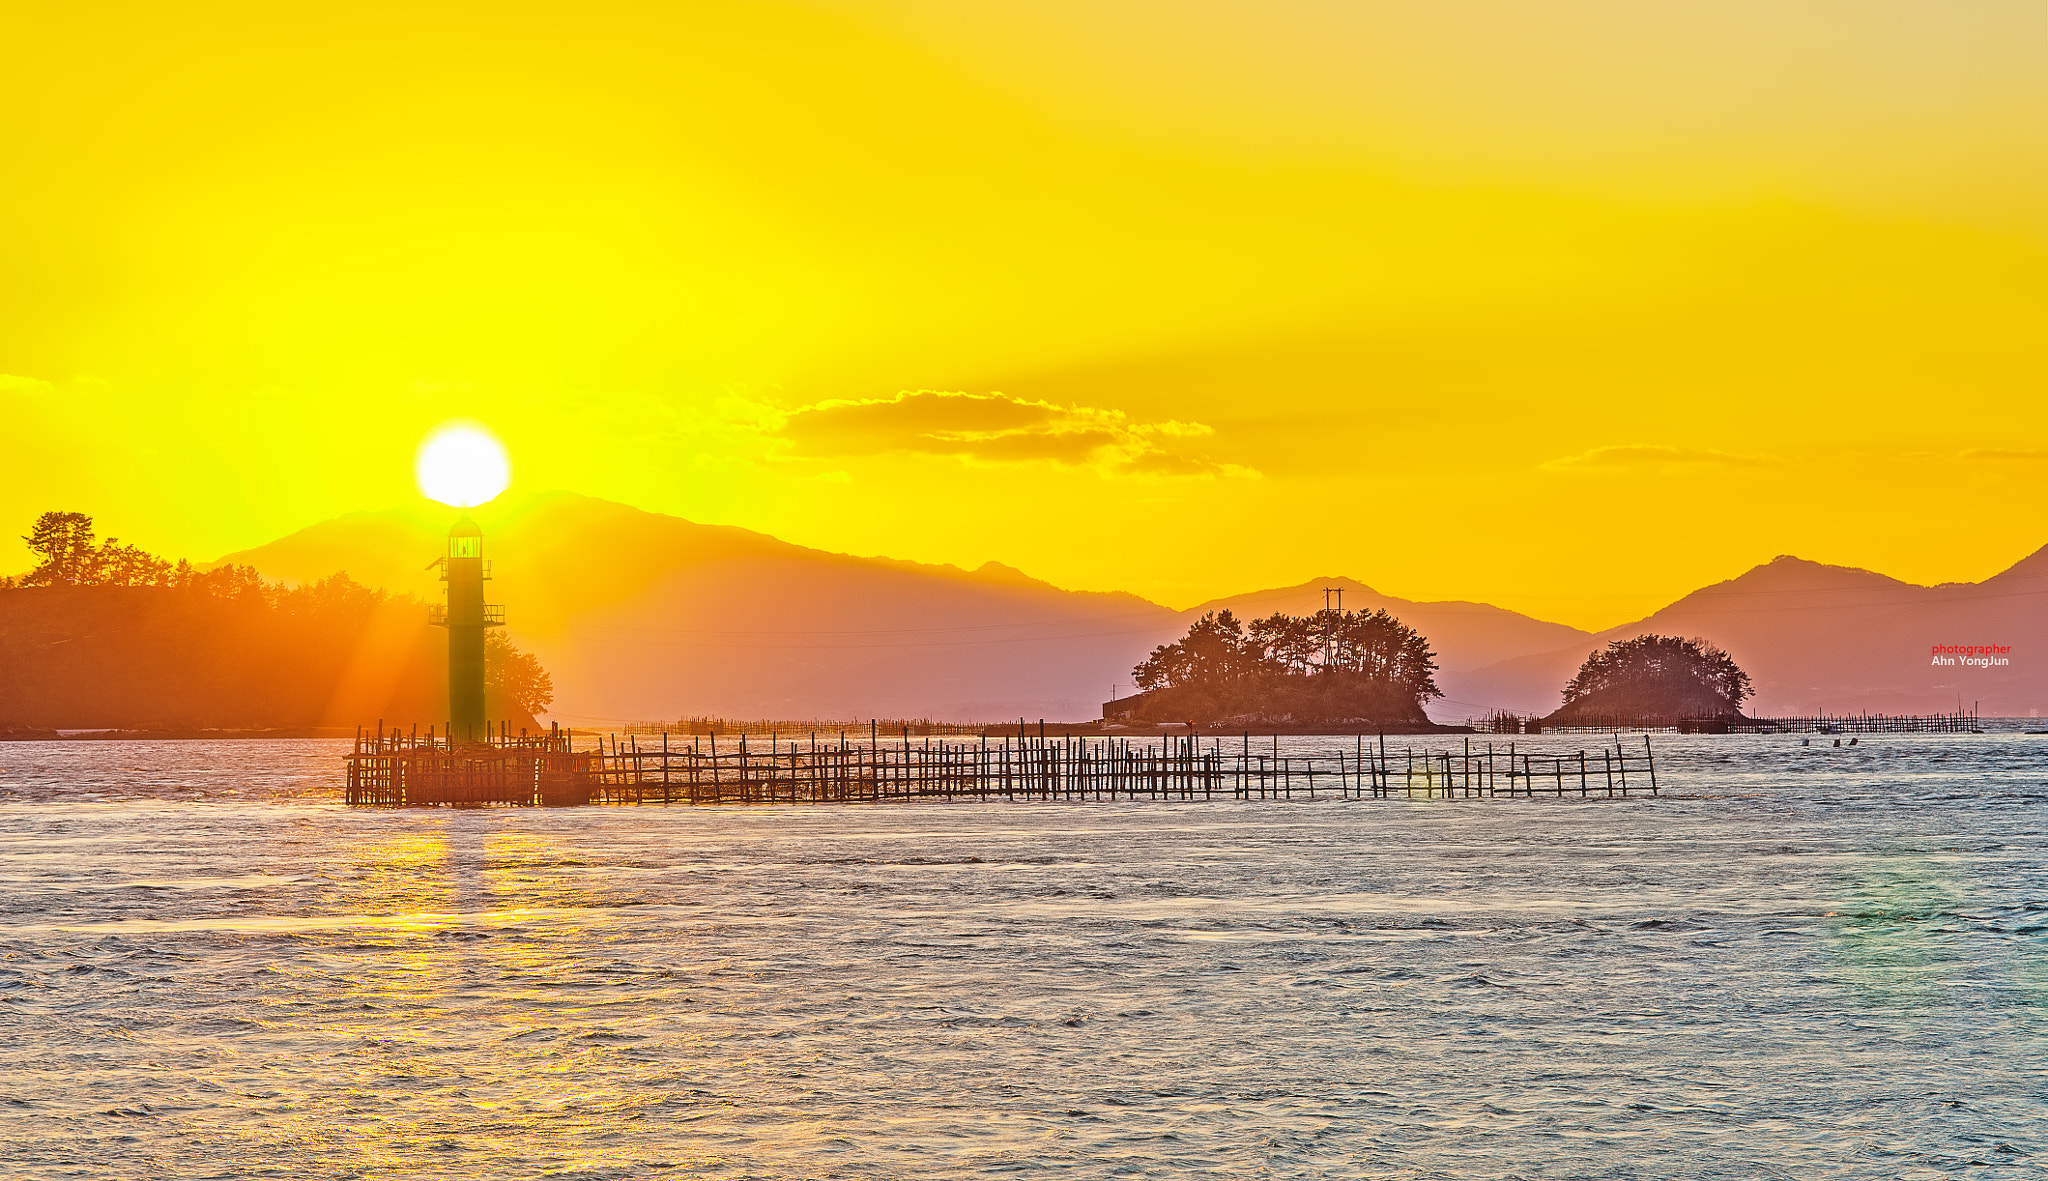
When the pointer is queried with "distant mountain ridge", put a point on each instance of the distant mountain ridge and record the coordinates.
(642, 616)
(1837, 638)
(638, 615)
(1462, 633)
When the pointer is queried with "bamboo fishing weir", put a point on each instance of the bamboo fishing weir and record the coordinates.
(1959, 722)
(396, 769)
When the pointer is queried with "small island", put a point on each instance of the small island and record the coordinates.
(1655, 680)
(1329, 672)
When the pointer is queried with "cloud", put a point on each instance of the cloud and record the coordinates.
(1999, 454)
(997, 428)
(1641, 458)
(11, 384)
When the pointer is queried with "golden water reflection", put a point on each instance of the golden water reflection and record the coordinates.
(1801, 983)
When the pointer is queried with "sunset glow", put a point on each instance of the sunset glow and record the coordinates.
(1334, 275)
(1167, 588)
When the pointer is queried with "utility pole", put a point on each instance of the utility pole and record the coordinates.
(1330, 626)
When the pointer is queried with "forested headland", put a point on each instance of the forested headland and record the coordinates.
(1654, 680)
(1331, 669)
(101, 635)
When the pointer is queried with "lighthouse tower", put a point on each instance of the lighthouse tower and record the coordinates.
(466, 616)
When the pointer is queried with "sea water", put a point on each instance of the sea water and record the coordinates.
(1801, 961)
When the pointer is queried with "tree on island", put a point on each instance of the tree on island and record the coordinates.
(1332, 666)
(1655, 678)
(514, 678)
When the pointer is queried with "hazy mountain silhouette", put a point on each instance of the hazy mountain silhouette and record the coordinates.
(1463, 634)
(1813, 636)
(638, 615)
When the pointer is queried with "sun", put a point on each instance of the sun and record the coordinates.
(461, 463)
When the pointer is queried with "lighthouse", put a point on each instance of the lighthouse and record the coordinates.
(466, 616)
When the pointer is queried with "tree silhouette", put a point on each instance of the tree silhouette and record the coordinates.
(64, 541)
(1331, 665)
(1212, 653)
(1662, 675)
(514, 677)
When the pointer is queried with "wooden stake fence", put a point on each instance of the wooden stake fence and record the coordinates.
(1960, 722)
(1075, 768)
(394, 769)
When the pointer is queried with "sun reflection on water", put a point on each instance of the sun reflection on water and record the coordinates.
(1800, 980)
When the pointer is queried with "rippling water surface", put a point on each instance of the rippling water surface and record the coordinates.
(1804, 962)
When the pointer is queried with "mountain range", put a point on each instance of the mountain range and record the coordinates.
(642, 616)
(1814, 638)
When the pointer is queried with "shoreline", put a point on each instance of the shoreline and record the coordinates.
(1008, 730)
(170, 733)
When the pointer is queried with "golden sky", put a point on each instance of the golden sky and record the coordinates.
(1569, 306)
